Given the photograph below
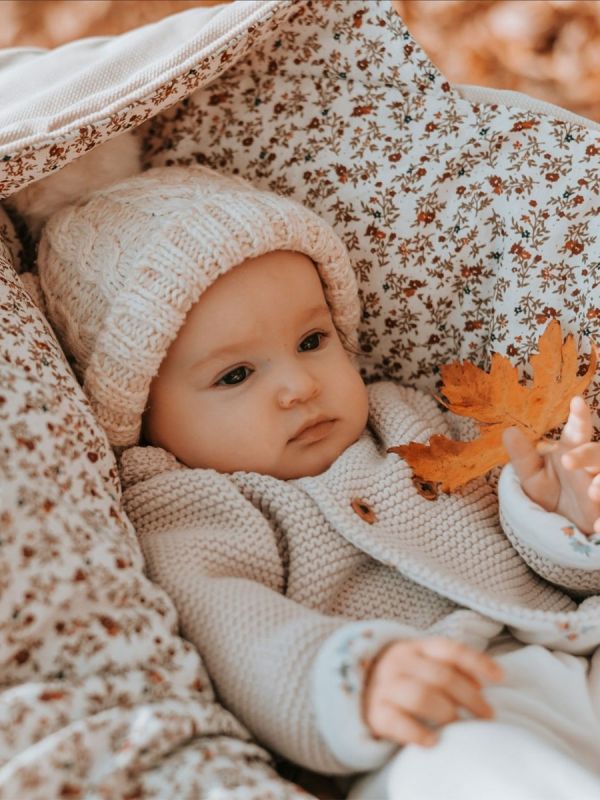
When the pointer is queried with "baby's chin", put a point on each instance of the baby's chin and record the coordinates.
(301, 466)
(294, 460)
(308, 464)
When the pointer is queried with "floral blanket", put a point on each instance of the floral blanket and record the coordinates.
(470, 226)
(99, 696)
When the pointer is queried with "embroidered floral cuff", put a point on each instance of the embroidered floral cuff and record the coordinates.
(550, 536)
(338, 680)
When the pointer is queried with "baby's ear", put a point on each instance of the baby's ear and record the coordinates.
(351, 346)
(105, 164)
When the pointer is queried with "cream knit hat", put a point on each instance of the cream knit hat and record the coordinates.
(121, 269)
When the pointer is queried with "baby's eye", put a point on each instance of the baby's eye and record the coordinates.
(234, 376)
(312, 341)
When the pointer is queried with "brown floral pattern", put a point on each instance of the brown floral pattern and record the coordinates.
(470, 226)
(99, 696)
(24, 164)
(10, 244)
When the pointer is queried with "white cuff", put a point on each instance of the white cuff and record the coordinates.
(338, 681)
(550, 535)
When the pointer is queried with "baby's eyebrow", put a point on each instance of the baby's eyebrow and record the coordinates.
(233, 349)
(220, 352)
(313, 311)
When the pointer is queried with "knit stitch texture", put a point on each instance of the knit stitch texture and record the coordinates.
(121, 269)
(264, 571)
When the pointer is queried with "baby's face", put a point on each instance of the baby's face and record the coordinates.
(257, 378)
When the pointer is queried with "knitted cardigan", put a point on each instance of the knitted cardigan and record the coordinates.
(288, 588)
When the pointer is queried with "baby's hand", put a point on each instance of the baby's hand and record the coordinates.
(414, 684)
(565, 478)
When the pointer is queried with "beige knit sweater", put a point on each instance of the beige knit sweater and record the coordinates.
(287, 588)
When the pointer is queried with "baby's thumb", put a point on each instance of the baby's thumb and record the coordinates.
(523, 455)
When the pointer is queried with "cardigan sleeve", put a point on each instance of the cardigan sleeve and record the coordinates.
(551, 545)
(262, 653)
(342, 664)
(224, 567)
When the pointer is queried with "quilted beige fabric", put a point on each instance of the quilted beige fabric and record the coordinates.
(103, 74)
(74, 97)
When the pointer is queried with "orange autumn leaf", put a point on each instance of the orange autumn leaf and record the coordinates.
(496, 400)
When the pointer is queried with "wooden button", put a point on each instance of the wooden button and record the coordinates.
(364, 510)
(427, 489)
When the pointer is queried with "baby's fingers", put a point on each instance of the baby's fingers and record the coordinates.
(578, 428)
(386, 721)
(478, 666)
(524, 457)
(458, 690)
(586, 456)
(594, 492)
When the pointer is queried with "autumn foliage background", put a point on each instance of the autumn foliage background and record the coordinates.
(546, 48)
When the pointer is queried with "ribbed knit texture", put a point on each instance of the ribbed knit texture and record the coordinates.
(121, 270)
(263, 571)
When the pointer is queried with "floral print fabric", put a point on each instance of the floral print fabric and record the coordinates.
(99, 696)
(10, 244)
(96, 95)
(470, 226)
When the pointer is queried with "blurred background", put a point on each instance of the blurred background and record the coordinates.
(546, 48)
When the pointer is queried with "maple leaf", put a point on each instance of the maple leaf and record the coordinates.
(497, 400)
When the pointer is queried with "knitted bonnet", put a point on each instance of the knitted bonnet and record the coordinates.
(121, 269)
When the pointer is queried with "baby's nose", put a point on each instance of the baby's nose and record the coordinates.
(299, 386)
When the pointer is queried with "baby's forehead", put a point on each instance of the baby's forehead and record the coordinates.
(267, 296)
(289, 279)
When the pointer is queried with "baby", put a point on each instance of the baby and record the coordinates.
(340, 613)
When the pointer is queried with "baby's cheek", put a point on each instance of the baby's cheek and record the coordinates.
(261, 445)
(357, 402)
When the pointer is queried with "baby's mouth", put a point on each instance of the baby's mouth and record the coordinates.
(314, 430)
